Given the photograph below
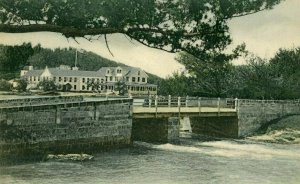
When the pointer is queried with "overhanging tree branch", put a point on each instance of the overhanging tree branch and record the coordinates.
(65, 30)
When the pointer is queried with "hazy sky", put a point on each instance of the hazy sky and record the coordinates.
(264, 33)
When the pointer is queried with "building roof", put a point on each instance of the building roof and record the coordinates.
(126, 71)
(74, 73)
(65, 73)
(102, 72)
(34, 73)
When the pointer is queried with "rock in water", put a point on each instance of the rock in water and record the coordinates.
(70, 157)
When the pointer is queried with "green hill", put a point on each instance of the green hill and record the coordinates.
(14, 58)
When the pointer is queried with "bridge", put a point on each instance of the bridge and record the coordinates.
(159, 118)
(160, 106)
(75, 123)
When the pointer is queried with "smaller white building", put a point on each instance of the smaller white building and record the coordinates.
(106, 79)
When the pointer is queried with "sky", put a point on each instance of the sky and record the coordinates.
(264, 33)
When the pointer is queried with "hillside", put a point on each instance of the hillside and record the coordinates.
(40, 57)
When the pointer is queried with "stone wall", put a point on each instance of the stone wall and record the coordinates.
(252, 114)
(155, 130)
(225, 126)
(81, 127)
(39, 101)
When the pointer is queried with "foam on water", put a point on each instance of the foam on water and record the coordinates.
(286, 135)
(257, 150)
(227, 149)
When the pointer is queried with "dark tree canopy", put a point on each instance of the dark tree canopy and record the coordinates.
(195, 26)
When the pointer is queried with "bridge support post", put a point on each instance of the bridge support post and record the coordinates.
(186, 101)
(199, 105)
(236, 104)
(156, 104)
(218, 106)
(57, 115)
(179, 104)
(156, 130)
(169, 101)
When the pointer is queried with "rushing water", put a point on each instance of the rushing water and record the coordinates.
(190, 161)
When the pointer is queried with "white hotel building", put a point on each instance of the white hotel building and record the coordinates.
(73, 79)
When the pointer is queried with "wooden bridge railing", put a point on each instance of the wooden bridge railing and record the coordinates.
(185, 102)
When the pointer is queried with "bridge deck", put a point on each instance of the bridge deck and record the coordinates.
(145, 112)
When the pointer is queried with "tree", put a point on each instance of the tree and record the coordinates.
(194, 26)
(14, 58)
(121, 87)
(286, 62)
(286, 66)
(208, 77)
(17, 56)
(95, 85)
(47, 85)
(22, 85)
(176, 85)
(5, 85)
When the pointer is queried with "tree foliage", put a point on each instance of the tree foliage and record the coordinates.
(14, 58)
(21, 85)
(194, 26)
(176, 85)
(277, 78)
(210, 77)
(5, 85)
(121, 88)
(66, 56)
(47, 85)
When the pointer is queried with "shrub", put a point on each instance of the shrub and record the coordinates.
(5, 85)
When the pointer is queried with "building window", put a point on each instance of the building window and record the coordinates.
(102, 80)
(65, 79)
(143, 79)
(83, 79)
(119, 71)
(59, 79)
(30, 78)
(133, 79)
(70, 79)
(83, 87)
(127, 79)
(107, 72)
(34, 78)
(106, 78)
(139, 73)
(75, 79)
(110, 78)
(74, 87)
(138, 79)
